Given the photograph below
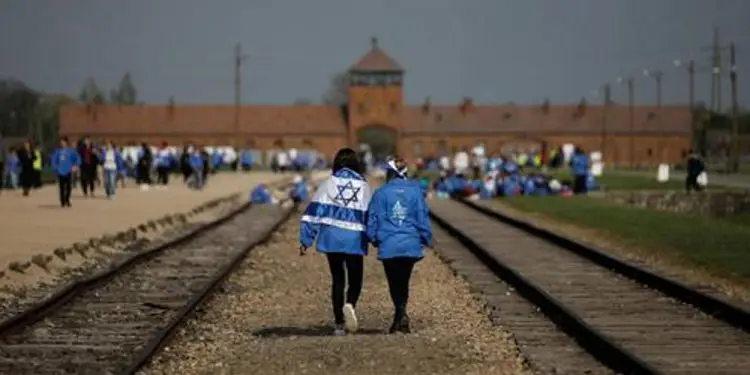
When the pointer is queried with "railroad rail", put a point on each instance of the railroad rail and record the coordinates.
(629, 319)
(116, 320)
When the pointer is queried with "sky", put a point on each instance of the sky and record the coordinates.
(495, 51)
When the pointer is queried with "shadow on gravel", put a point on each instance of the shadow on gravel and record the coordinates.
(314, 331)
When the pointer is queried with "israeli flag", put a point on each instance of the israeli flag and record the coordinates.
(341, 202)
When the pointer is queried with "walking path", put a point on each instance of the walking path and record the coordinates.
(273, 316)
(35, 224)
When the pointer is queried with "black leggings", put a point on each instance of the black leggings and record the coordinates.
(340, 265)
(163, 173)
(398, 272)
(88, 175)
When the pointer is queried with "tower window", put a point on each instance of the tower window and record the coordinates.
(394, 108)
(361, 108)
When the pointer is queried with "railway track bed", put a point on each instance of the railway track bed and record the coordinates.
(114, 324)
(629, 327)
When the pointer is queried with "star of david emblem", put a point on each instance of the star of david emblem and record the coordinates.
(344, 198)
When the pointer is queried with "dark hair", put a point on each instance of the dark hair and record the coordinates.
(400, 165)
(346, 158)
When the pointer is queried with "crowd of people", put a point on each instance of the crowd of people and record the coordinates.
(92, 165)
(472, 174)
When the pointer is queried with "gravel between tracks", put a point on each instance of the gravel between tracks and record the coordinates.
(273, 317)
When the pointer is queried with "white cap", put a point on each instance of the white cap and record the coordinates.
(297, 179)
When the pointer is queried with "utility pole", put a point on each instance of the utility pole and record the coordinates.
(716, 73)
(239, 59)
(694, 121)
(606, 104)
(657, 75)
(735, 110)
(631, 108)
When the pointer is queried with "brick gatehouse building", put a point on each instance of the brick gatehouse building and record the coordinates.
(377, 113)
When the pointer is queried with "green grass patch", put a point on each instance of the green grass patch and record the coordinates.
(720, 245)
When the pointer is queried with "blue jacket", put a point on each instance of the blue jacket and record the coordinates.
(398, 222)
(246, 158)
(13, 165)
(335, 219)
(299, 192)
(196, 162)
(261, 195)
(64, 159)
(579, 163)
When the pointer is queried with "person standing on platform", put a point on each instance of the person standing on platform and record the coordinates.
(206, 157)
(38, 166)
(112, 164)
(579, 163)
(12, 169)
(65, 160)
(88, 169)
(163, 162)
(143, 170)
(185, 163)
(398, 224)
(26, 159)
(197, 164)
(694, 168)
(335, 222)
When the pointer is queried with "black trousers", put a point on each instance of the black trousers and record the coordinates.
(398, 272)
(691, 183)
(143, 174)
(88, 177)
(37, 178)
(163, 175)
(341, 266)
(27, 180)
(65, 185)
(579, 184)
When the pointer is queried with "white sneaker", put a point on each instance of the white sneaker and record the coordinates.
(351, 318)
(144, 187)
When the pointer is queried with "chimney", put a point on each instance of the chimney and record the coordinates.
(467, 105)
(426, 106)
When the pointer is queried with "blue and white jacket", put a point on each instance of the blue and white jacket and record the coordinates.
(398, 220)
(335, 219)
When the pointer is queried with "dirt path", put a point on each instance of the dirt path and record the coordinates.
(274, 318)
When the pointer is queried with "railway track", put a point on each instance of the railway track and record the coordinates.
(115, 321)
(630, 320)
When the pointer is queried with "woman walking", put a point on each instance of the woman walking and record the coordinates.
(398, 224)
(26, 159)
(335, 222)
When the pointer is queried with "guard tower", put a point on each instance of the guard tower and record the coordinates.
(376, 101)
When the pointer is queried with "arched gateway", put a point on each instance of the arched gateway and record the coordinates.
(381, 139)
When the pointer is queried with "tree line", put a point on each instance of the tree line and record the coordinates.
(27, 113)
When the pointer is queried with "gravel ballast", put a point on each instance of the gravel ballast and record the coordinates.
(273, 316)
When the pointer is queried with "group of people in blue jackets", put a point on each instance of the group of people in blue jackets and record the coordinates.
(505, 178)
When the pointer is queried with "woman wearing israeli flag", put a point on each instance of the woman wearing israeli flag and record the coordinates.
(335, 222)
(398, 223)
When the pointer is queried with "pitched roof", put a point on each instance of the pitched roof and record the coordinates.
(488, 119)
(202, 120)
(376, 61)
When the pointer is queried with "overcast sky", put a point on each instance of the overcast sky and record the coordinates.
(495, 51)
